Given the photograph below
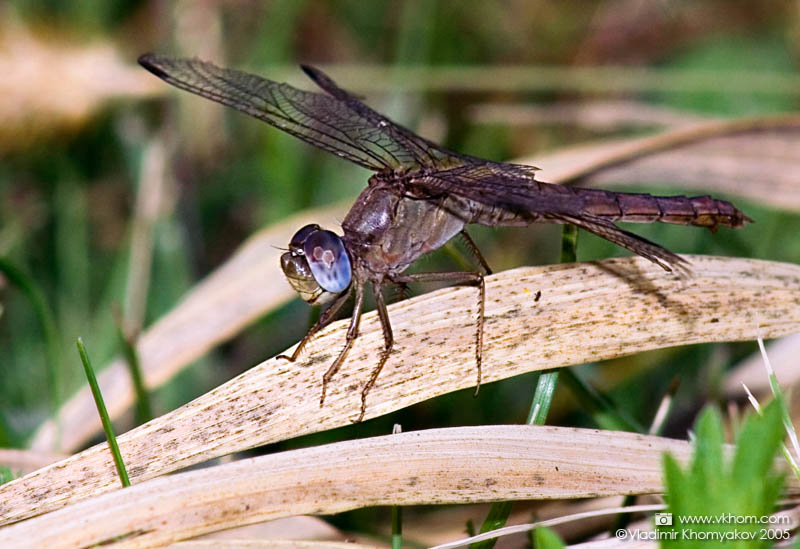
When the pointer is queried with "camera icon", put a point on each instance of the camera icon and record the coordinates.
(663, 519)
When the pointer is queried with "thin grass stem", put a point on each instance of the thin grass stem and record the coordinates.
(144, 408)
(101, 409)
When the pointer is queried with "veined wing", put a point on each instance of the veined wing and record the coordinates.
(338, 122)
(513, 187)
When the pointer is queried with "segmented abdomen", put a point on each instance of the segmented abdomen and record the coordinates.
(700, 211)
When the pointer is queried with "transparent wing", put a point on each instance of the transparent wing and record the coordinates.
(513, 187)
(338, 122)
(414, 150)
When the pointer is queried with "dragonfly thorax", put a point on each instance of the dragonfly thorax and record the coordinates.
(387, 229)
(317, 265)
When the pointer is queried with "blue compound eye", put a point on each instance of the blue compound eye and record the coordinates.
(326, 256)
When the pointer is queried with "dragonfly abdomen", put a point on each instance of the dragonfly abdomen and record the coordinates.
(699, 211)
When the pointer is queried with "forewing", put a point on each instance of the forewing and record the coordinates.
(416, 151)
(337, 123)
(513, 187)
(510, 186)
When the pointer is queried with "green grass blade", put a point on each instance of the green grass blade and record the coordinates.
(602, 410)
(397, 527)
(44, 314)
(542, 397)
(714, 486)
(101, 409)
(569, 244)
(6, 475)
(545, 538)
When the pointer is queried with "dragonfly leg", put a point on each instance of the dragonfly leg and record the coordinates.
(473, 248)
(459, 278)
(323, 320)
(352, 334)
(388, 340)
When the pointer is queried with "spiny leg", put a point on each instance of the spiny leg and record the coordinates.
(352, 334)
(479, 335)
(473, 248)
(388, 340)
(458, 278)
(323, 320)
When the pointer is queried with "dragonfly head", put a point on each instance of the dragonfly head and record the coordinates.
(316, 265)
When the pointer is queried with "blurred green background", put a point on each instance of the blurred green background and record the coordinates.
(78, 117)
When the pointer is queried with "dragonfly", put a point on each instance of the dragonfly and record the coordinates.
(420, 195)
